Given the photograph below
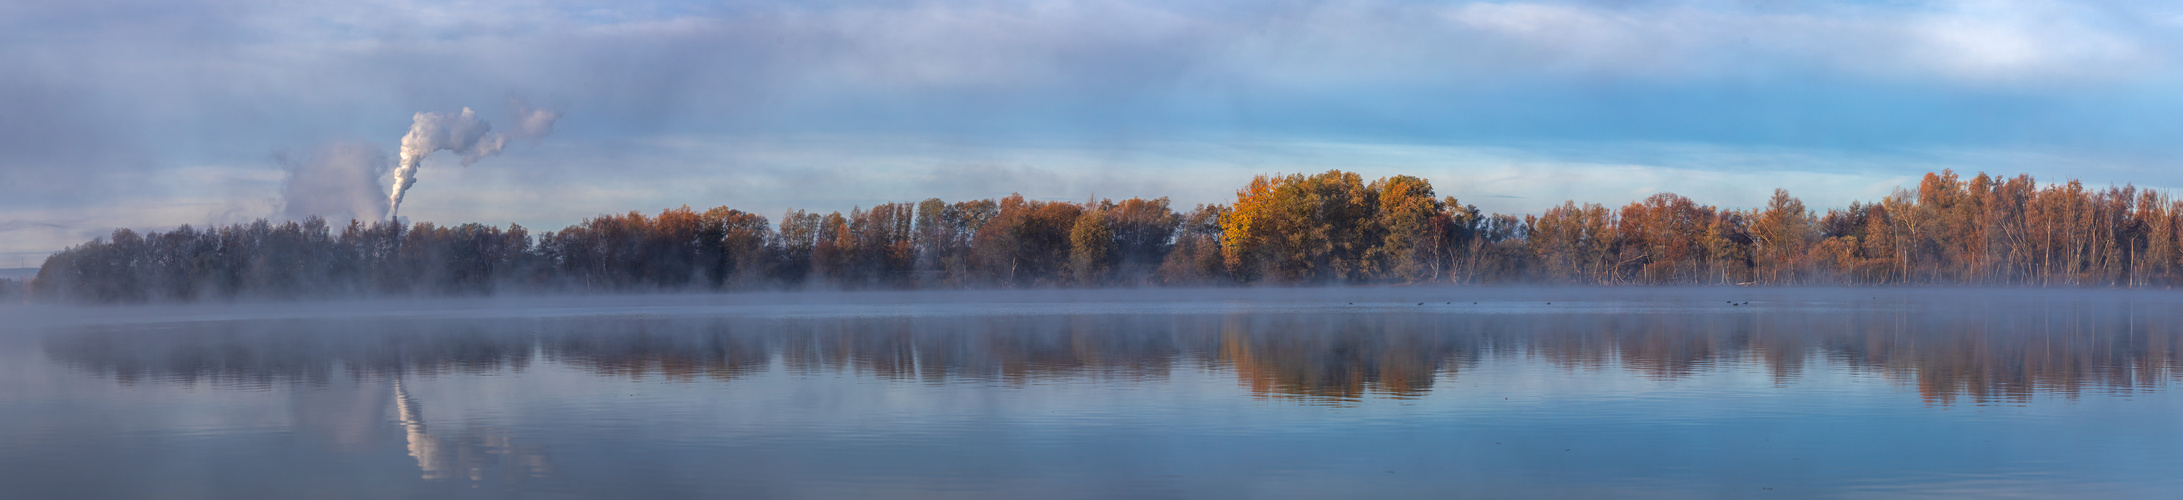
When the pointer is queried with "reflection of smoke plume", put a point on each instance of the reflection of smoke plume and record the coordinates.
(422, 445)
(472, 456)
(338, 181)
(462, 133)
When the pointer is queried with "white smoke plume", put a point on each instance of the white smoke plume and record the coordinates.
(462, 133)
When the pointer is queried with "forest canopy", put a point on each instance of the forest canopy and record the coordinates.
(1328, 228)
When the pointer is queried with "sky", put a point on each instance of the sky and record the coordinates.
(150, 114)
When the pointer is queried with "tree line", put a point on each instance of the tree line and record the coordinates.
(1328, 228)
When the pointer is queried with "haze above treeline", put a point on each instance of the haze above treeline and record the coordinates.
(1325, 229)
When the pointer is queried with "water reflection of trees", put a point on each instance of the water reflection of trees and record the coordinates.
(1344, 357)
(259, 354)
(1986, 352)
(1998, 352)
(356, 371)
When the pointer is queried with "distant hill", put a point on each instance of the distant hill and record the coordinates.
(18, 273)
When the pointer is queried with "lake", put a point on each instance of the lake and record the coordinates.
(1226, 393)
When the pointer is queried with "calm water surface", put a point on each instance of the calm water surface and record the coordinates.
(1332, 393)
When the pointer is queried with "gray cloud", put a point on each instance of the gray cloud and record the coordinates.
(18, 225)
(338, 181)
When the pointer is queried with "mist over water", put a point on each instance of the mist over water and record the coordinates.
(1315, 393)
